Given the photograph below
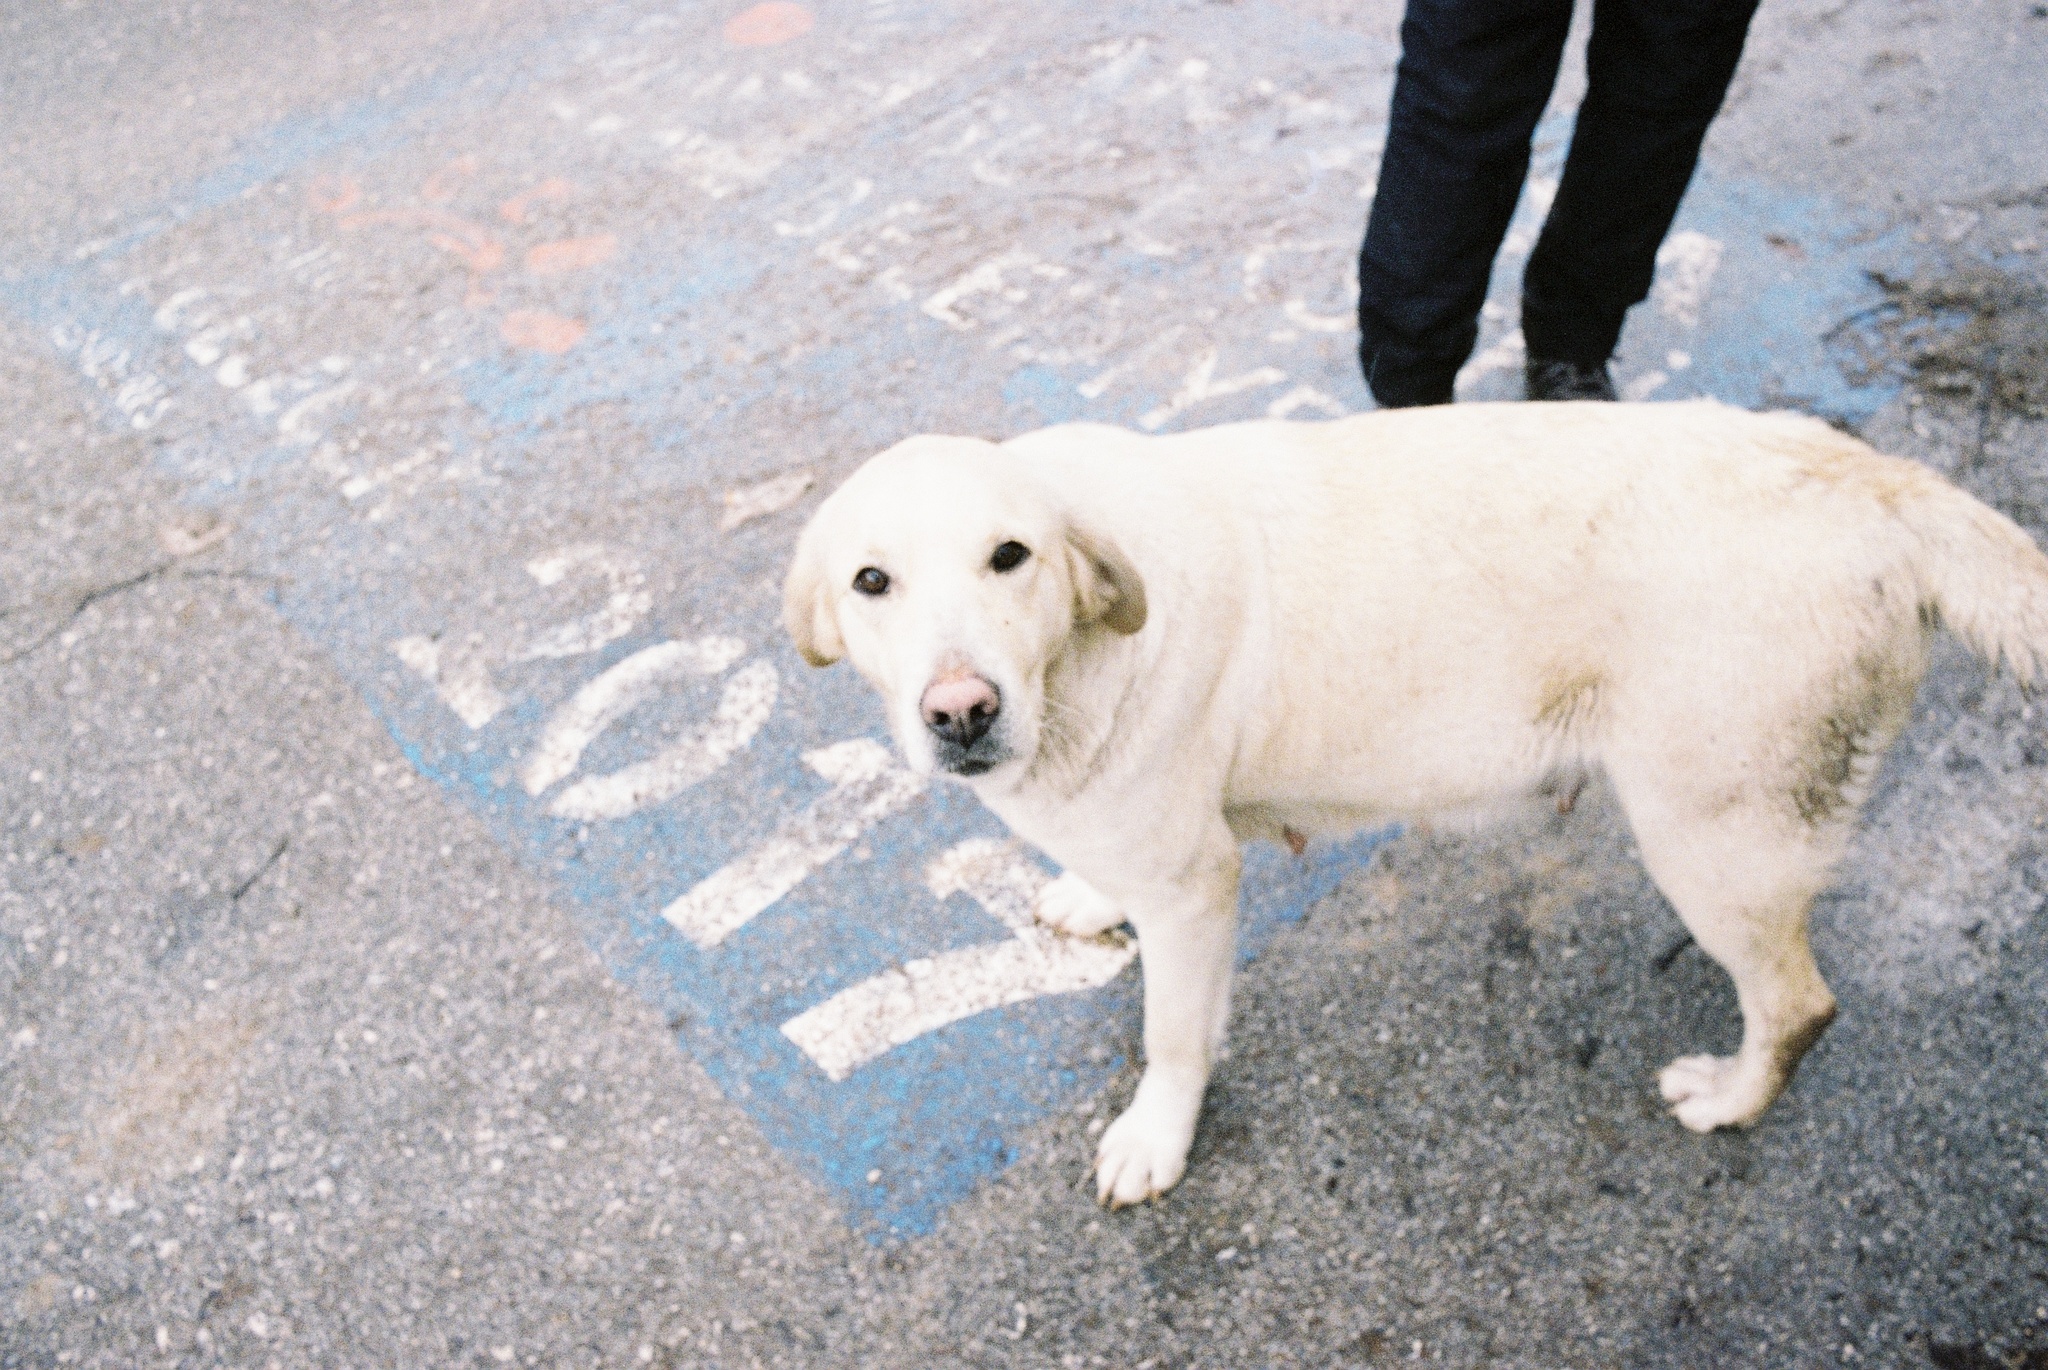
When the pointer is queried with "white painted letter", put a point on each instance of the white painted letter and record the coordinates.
(748, 700)
(620, 611)
(867, 786)
(866, 1020)
(462, 680)
(1201, 384)
(611, 696)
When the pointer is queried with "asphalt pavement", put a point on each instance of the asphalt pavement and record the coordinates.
(442, 922)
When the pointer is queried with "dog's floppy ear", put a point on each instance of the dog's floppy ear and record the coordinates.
(1107, 588)
(808, 610)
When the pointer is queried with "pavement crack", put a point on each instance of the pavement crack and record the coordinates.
(235, 895)
(100, 592)
(86, 600)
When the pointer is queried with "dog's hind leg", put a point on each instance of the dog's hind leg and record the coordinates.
(1742, 880)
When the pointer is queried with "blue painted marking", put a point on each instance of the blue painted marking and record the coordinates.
(729, 350)
(1793, 267)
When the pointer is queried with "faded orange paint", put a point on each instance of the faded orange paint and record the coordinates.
(538, 332)
(513, 211)
(570, 254)
(767, 24)
(480, 255)
(465, 239)
(440, 186)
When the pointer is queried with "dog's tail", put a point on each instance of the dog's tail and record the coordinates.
(1983, 575)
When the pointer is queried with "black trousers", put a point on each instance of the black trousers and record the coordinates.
(1473, 81)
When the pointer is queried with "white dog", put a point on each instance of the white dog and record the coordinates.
(1142, 651)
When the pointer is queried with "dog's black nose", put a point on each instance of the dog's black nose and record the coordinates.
(960, 709)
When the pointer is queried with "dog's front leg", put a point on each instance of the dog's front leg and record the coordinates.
(1187, 946)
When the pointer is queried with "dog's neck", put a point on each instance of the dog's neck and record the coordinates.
(1087, 689)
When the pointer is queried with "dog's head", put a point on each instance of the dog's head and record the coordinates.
(953, 579)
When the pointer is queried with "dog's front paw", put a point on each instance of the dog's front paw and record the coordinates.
(1073, 906)
(1145, 1151)
(1707, 1092)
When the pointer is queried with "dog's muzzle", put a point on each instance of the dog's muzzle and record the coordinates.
(960, 711)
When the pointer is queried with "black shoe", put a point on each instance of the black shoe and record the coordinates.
(1543, 379)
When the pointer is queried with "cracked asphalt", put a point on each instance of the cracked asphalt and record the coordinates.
(305, 1062)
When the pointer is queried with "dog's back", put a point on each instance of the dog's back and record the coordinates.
(1431, 607)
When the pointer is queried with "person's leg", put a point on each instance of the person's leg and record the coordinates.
(1473, 80)
(1657, 71)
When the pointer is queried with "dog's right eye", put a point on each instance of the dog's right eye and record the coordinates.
(870, 580)
(1008, 557)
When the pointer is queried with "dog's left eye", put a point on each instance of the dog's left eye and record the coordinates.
(1009, 556)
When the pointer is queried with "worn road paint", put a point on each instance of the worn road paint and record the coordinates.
(877, 1015)
(491, 457)
(768, 24)
(618, 691)
(748, 700)
(1201, 384)
(1686, 264)
(571, 254)
(625, 605)
(867, 786)
(462, 681)
(770, 496)
(541, 331)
